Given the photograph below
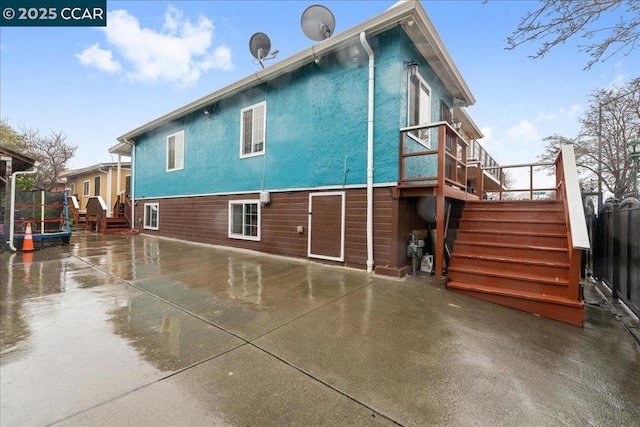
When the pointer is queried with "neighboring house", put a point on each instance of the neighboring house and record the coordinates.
(102, 180)
(303, 159)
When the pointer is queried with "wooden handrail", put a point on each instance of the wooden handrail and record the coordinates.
(127, 210)
(97, 211)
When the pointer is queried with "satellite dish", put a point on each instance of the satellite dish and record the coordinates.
(260, 46)
(318, 22)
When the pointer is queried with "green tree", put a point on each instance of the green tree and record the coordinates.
(10, 138)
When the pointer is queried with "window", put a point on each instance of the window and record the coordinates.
(244, 219)
(253, 130)
(127, 185)
(151, 216)
(175, 151)
(96, 186)
(420, 109)
(72, 189)
(85, 188)
(445, 112)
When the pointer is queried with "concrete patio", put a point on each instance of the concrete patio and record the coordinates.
(137, 330)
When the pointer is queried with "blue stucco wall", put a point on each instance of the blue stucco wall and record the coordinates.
(427, 165)
(316, 124)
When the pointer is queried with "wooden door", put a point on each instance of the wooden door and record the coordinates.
(326, 225)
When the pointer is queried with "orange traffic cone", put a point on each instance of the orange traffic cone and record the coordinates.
(27, 243)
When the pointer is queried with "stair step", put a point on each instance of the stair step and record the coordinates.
(510, 250)
(556, 240)
(513, 281)
(553, 307)
(559, 270)
(534, 226)
(514, 214)
(515, 204)
(515, 253)
(511, 260)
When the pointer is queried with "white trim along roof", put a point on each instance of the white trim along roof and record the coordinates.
(76, 172)
(410, 15)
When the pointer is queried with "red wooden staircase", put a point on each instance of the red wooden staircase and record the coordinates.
(518, 254)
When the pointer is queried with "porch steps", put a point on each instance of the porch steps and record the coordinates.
(515, 253)
(116, 225)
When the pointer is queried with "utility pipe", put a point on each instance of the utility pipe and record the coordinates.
(13, 202)
(367, 48)
(133, 177)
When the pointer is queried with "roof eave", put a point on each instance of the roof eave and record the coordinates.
(92, 168)
(438, 57)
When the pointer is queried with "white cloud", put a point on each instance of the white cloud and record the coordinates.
(523, 131)
(101, 59)
(180, 53)
(543, 117)
(619, 76)
(572, 111)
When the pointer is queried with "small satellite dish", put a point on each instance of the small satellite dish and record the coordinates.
(260, 46)
(317, 22)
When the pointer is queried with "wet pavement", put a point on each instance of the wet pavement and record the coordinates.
(122, 330)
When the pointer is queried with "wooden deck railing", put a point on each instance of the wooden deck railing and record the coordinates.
(97, 213)
(421, 165)
(442, 170)
(127, 210)
(531, 189)
(74, 209)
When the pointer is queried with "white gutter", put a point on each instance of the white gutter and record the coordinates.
(365, 45)
(13, 202)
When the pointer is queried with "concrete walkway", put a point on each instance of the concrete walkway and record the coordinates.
(121, 330)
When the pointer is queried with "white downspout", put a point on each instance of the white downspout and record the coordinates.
(367, 48)
(13, 202)
(132, 182)
(118, 181)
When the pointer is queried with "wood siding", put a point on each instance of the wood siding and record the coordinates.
(205, 219)
(326, 225)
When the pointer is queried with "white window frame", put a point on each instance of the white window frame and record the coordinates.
(178, 160)
(244, 203)
(256, 130)
(86, 188)
(424, 138)
(72, 189)
(149, 226)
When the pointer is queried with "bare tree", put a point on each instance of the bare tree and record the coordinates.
(53, 152)
(615, 115)
(555, 21)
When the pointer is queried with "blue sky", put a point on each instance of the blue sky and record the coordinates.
(96, 84)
